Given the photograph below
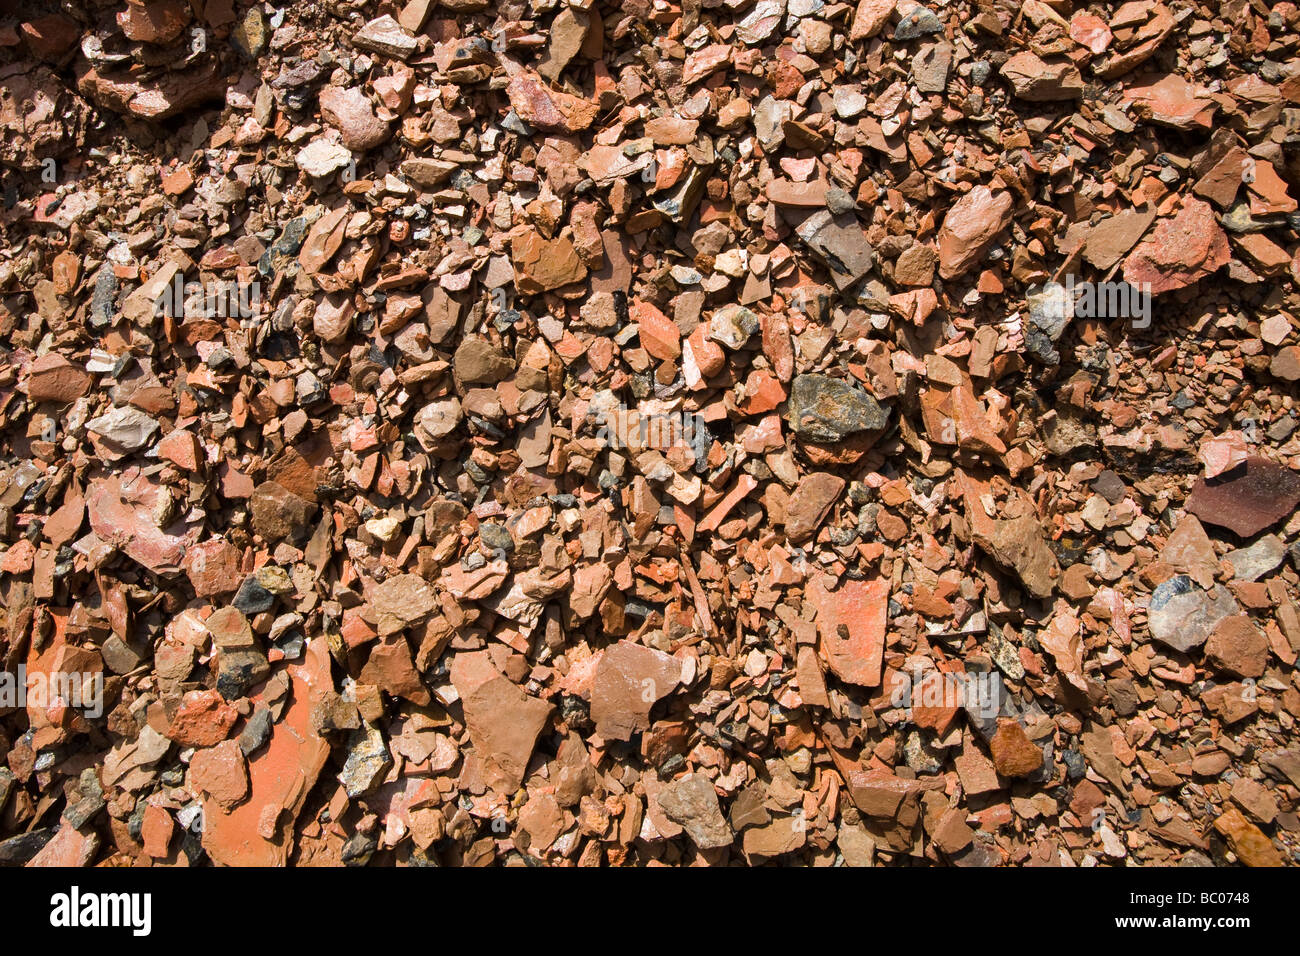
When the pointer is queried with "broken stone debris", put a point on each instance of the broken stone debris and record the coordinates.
(614, 434)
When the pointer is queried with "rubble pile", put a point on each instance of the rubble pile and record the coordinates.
(741, 432)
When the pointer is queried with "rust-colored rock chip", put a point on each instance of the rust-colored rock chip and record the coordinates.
(594, 434)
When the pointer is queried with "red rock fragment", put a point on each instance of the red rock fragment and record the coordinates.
(202, 720)
(281, 775)
(1014, 754)
(220, 773)
(548, 109)
(630, 678)
(52, 378)
(851, 624)
(503, 721)
(970, 226)
(1182, 250)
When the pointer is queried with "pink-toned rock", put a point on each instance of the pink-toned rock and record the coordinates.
(1014, 754)
(127, 514)
(1143, 45)
(702, 358)
(851, 624)
(783, 192)
(1222, 181)
(176, 183)
(1249, 842)
(1224, 453)
(212, 567)
(811, 681)
(1286, 364)
(156, 831)
(153, 21)
(542, 819)
(1268, 192)
(547, 109)
(70, 848)
(879, 793)
(401, 601)
(1181, 251)
(50, 37)
(391, 668)
(630, 678)
(351, 112)
(166, 95)
(230, 629)
(870, 18)
(935, 699)
(659, 334)
(52, 378)
(182, 448)
(477, 584)
(915, 265)
(671, 130)
(1171, 101)
(970, 227)
(220, 772)
(808, 505)
(1237, 646)
(744, 485)
(590, 585)
(503, 721)
(1042, 81)
(1090, 31)
(395, 90)
(1262, 254)
(705, 61)
(976, 772)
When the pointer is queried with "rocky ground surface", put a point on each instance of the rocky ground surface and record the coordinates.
(645, 433)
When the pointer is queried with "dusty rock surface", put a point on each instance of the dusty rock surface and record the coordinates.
(764, 432)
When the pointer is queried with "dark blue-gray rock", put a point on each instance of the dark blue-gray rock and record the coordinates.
(918, 23)
(512, 123)
(103, 299)
(987, 701)
(1239, 220)
(17, 850)
(1075, 765)
(256, 732)
(252, 598)
(496, 537)
(309, 389)
(919, 755)
(824, 409)
(7, 783)
(1182, 614)
(282, 256)
(1110, 486)
(91, 802)
(1050, 311)
(359, 849)
(239, 670)
(681, 202)
(840, 202)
